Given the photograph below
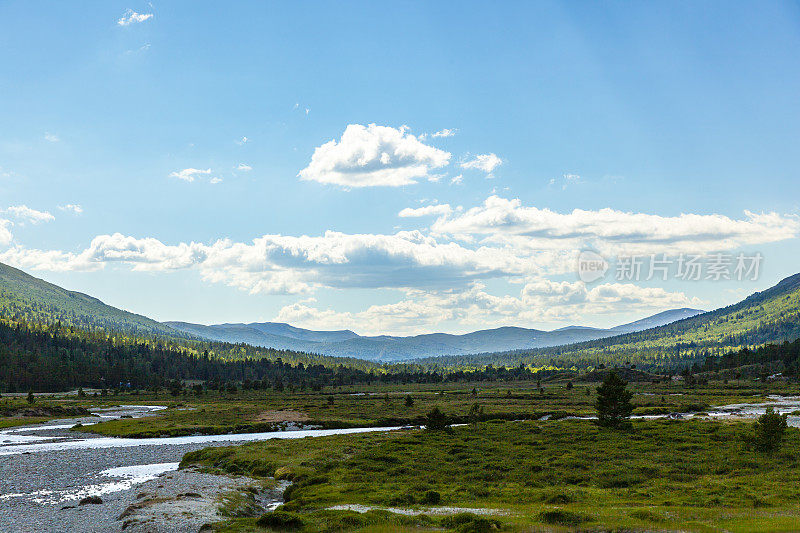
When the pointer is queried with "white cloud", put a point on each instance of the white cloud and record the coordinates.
(73, 208)
(144, 48)
(485, 162)
(215, 180)
(132, 17)
(428, 210)
(371, 156)
(5, 233)
(189, 174)
(566, 180)
(447, 132)
(23, 212)
(284, 264)
(440, 271)
(540, 301)
(51, 137)
(457, 180)
(508, 221)
(244, 167)
(242, 141)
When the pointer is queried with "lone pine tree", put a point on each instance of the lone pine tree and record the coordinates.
(613, 402)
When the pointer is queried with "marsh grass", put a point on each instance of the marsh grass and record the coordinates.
(241, 412)
(660, 474)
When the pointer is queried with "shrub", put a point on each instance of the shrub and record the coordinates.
(475, 413)
(769, 430)
(559, 499)
(436, 420)
(409, 400)
(646, 515)
(281, 520)
(563, 518)
(431, 498)
(470, 523)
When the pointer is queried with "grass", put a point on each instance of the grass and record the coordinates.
(256, 411)
(680, 475)
(18, 412)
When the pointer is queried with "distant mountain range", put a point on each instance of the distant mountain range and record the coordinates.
(772, 315)
(345, 343)
(768, 316)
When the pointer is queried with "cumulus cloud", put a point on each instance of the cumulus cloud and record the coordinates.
(189, 174)
(25, 213)
(372, 156)
(504, 220)
(541, 301)
(441, 271)
(132, 17)
(72, 208)
(484, 162)
(51, 137)
(285, 264)
(244, 167)
(5, 233)
(428, 210)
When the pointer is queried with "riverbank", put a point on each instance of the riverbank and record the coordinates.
(664, 475)
(47, 469)
(256, 411)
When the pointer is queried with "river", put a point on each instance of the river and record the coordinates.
(46, 467)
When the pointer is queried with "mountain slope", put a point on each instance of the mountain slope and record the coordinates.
(267, 334)
(23, 296)
(389, 348)
(772, 315)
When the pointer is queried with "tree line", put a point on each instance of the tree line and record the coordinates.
(56, 359)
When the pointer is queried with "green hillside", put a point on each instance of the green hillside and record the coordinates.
(772, 315)
(23, 297)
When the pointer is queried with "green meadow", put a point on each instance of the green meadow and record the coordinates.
(692, 475)
(216, 412)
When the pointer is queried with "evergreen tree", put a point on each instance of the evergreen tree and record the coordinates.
(613, 402)
(769, 429)
(475, 413)
(436, 420)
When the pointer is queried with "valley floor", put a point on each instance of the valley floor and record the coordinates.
(524, 464)
(661, 475)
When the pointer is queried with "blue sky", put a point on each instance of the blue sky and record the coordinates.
(251, 161)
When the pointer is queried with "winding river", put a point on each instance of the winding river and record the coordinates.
(46, 469)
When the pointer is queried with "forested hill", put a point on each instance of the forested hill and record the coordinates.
(55, 359)
(772, 315)
(24, 297)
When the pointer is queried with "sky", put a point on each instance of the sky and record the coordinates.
(401, 168)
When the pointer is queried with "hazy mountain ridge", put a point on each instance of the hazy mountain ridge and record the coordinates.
(768, 316)
(394, 348)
